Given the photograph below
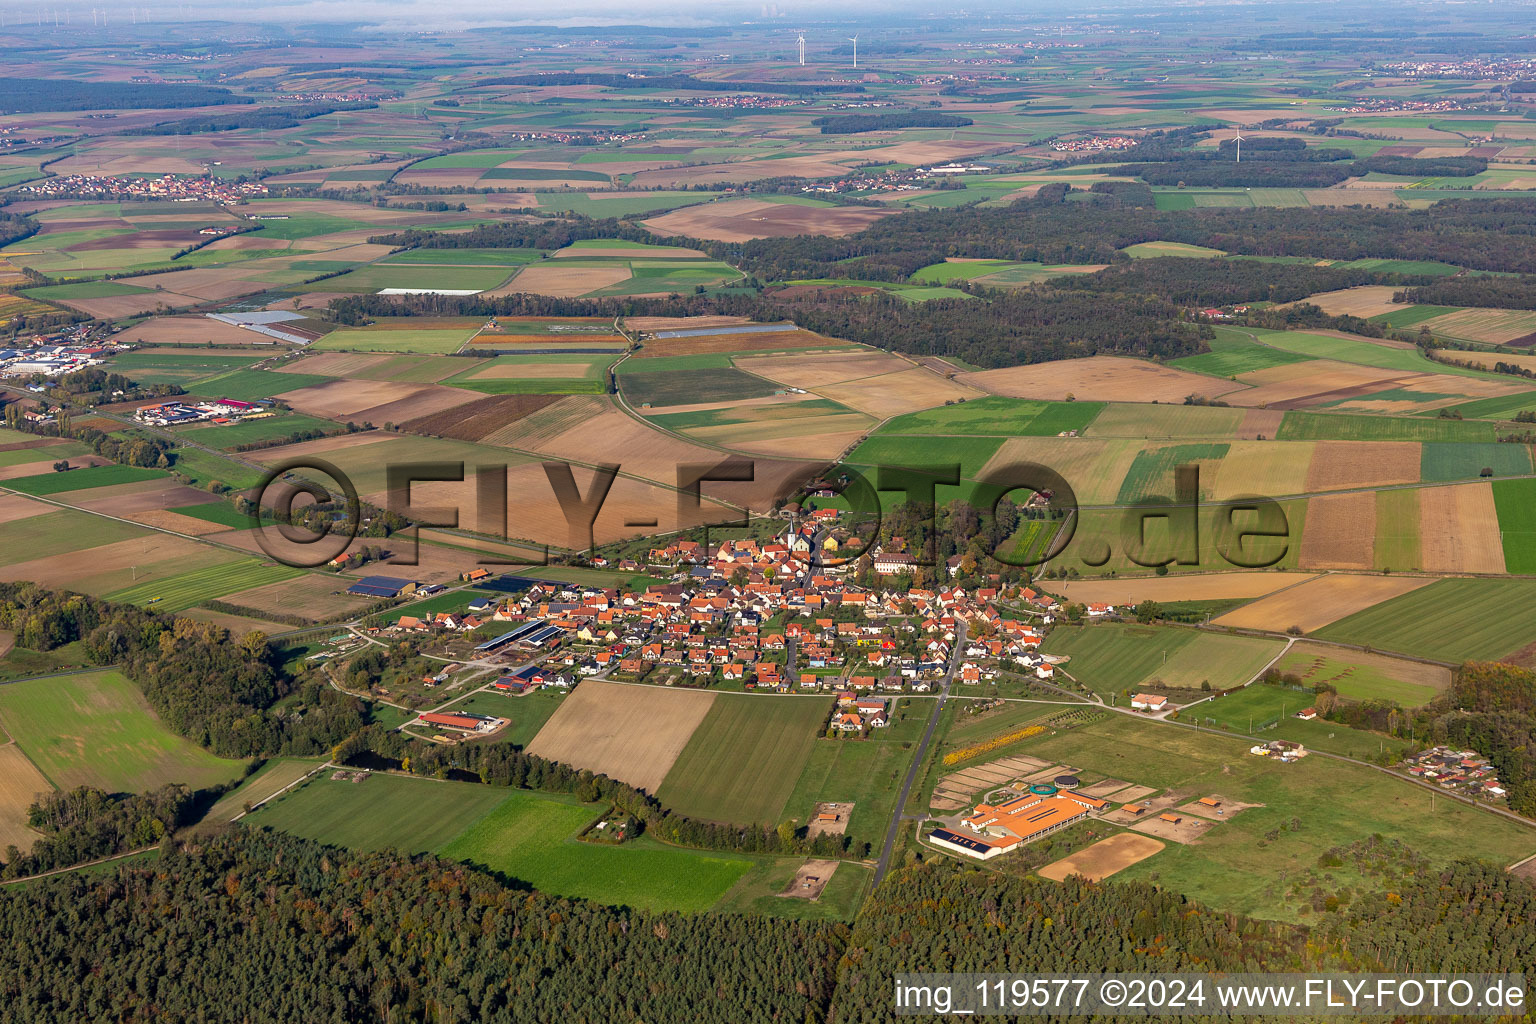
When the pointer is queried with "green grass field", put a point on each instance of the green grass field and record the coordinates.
(1515, 501)
(530, 836)
(463, 258)
(383, 811)
(439, 342)
(528, 712)
(1111, 657)
(82, 479)
(662, 389)
(1449, 620)
(96, 729)
(251, 385)
(1152, 474)
(1234, 866)
(54, 533)
(741, 763)
(1266, 712)
(865, 773)
(1357, 677)
(1233, 352)
(235, 434)
(1316, 426)
(1440, 462)
(189, 589)
(997, 416)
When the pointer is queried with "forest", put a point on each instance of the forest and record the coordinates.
(31, 95)
(264, 118)
(1222, 282)
(852, 124)
(380, 936)
(1493, 292)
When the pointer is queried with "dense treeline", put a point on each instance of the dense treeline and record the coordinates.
(265, 118)
(31, 95)
(1425, 167)
(83, 824)
(1023, 325)
(1221, 282)
(257, 927)
(205, 685)
(1259, 173)
(1495, 292)
(501, 764)
(555, 233)
(1482, 234)
(667, 82)
(380, 936)
(853, 124)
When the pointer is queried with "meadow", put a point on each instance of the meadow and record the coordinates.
(531, 837)
(1360, 676)
(1316, 426)
(994, 415)
(96, 729)
(741, 763)
(528, 712)
(1516, 504)
(1113, 657)
(865, 773)
(1233, 352)
(82, 479)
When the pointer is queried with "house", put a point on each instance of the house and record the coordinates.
(1307, 714)
(848, 722)
(887, 564)
(461, 722)
(1149, 702)
(382, 587)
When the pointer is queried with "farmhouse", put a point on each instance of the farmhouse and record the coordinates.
(461, 722)
(979, 847)
(1149, 702)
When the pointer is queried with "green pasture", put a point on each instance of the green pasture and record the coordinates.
(1451, 620)
(189, 589)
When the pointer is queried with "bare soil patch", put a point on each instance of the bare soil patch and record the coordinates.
(1188, 829)
(1364, 301)
(892, 394)
(476, 420)
(829, 819)
(629, 733)
(26, 469)
(810, 880)
(191, 330)
(1260, 424)
(1337, 465)
(1103, 858)
(708, 343)
(20, 785)
(1296, 385)
(14, 507)
(162, 519)
(1340, 532)
(375, 401)
(312, 596)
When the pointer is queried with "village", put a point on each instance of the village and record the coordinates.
(167, 186)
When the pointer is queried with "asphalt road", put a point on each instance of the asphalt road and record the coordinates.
(884, 863)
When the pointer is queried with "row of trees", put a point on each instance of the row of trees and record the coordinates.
(84, 823)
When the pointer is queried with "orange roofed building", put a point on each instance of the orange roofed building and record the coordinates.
(1022, 819)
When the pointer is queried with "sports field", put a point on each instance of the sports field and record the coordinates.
(741, 763)
(96, 729)
(1111, 657)
(531, 837)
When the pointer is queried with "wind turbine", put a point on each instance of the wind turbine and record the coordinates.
(800, 38)
(1239, 130)
(854, 39)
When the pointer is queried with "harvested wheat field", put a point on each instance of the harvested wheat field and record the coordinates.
(561, 282)
(1217, 586)
(1459, 529)
(1270, 469)
(1260, 424)
(893, 394)
(1296, 385)
(1099, 379)
(101, 570)
(140, 496)
(477, 420)
(1492, 326)
(820, 369)
(1103, 858)
(111, 307)
(1339, 465)
(163, 519)
(14, 507)
(1340, 532)
(20, 786)
(313, 596)
(26, 469)
(320, 446)
(190, 330)
(829, 445)
(549, 422)
(375, 401)
(740, 220)
(629, 733)
(1316, 603)
(1365, 301)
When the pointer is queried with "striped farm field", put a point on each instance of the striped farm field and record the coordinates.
(1450, 620)
(1113, 656)
(1158, 421)
(1266, 468)
(1491, 326)
(1321, 601)
(1152, 474)
(741, 763)
(1397, 530)
(1515, 501)
(80, 479)
(427, 342)
(189, 589)
(1316, 426)
(1446, 462)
